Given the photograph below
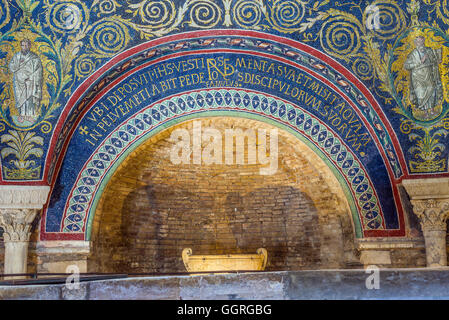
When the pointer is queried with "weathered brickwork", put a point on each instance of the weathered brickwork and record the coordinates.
(152, 209)
(103, 82)
(408, 258)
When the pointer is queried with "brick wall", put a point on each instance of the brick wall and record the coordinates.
(152, 209)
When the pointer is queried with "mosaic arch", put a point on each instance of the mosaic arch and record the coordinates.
(80, 207)
(77, 43)
(224, 72)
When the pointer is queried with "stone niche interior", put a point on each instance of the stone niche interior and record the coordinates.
(151, 209)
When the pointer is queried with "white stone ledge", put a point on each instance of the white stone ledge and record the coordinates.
(62, 247)
(388, 243)
(23, 197)
(430, 188)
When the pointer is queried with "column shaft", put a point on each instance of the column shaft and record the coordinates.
(16, 224)
(433, 215)
(19, 206)
(435, 241)
(16, 258)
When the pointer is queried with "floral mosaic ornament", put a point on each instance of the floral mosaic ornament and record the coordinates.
(252, 45)
(422, 96)
(23, 146)
(79, 37)
(30, 86)
(72, 39)
(419, 81)
(40, 65)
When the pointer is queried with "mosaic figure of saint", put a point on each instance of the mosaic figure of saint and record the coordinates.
(426, 90)
(27, 69)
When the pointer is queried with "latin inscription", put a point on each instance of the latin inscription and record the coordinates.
(229, 71)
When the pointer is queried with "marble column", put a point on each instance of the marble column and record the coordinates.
(16, 224)
(433, 215)
(19, 206)
(430, 201)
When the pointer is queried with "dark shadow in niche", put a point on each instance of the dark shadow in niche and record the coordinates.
(281, 219)
(56, 192)
(159, 221)
(140, 229)
(415, 226)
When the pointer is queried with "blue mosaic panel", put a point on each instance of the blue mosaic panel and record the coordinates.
(79, 205)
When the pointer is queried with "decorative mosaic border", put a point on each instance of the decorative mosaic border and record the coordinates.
(79, 204)
(250, 44)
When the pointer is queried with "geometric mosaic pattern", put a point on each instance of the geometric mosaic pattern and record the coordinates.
(279, 50)
(79, 208)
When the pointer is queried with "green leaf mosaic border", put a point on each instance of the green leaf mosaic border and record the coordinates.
(136, 129)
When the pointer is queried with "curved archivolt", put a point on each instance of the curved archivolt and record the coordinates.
(361, 195)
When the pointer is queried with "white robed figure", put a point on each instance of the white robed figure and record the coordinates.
(27, 69)
(426, 90)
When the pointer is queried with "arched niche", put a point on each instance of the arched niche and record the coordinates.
(100, 131)
(150, 208)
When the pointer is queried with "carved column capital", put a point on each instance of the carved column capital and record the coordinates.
(430, 200)
(16, 223)
(19, 206)
(432, 213)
